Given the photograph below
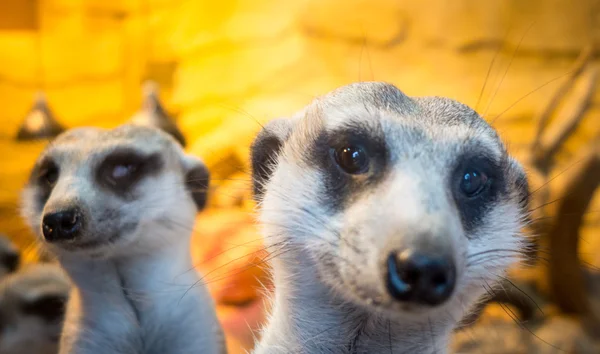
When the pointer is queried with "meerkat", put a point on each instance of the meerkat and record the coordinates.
(387, 217)
(32, 309)
(117, 208)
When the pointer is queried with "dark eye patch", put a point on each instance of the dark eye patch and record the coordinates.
(340, 185)
(122, 169)
(476, 184)
(44, 175)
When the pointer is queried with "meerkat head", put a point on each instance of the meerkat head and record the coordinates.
(93, 190)
(32, 308)
(403, 205)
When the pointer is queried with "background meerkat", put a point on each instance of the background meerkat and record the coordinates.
(387, 217)
(32, 309)
(117, 208)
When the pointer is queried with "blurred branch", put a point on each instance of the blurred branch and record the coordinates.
(545, 115)
(565, 274)
(557, 133)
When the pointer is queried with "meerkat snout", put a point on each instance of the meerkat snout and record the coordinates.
(62, 225)
(421, 277)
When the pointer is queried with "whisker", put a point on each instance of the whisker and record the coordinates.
(512, 315)
(508, 67)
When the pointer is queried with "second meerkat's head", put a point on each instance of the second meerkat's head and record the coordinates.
(403, 205)
(94, 190)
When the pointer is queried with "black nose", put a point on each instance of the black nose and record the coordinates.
(62, 226)
(418, 277)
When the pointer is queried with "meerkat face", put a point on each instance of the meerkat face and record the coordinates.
(92, 191)
(32, 308)
(403, 205)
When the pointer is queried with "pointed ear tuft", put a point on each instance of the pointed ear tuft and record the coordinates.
(153, 113)
(197, 180)
(264, 151)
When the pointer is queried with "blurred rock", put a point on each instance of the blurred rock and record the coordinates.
(495, 337)
(563, 335)
(497, 333)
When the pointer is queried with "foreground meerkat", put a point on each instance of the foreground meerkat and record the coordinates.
(32, 309)
(387, 217)
(117, 208)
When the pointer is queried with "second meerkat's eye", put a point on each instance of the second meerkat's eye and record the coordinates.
(352, 159)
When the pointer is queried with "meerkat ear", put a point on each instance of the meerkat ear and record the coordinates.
(197, 180)
(264, 152)
(521, 182)
(153, 113)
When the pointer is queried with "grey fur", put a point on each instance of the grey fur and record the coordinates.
(136, 289)
(329, 252)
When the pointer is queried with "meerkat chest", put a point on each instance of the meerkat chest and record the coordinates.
(172, 305)
(100, 319)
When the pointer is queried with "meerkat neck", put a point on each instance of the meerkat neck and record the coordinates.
(132, 280)
(308, 318)
(158, 292)
(143, 270)
(171, 267)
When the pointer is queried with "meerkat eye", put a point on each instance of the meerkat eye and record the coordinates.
(124, 168)
(352, 159)
(120, 172)
(49, 174)
(473, 182)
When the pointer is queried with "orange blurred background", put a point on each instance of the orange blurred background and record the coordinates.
(226, 67)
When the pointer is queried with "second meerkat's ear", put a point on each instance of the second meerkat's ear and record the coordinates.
(197, 180)
(152, 113)
(264, 151)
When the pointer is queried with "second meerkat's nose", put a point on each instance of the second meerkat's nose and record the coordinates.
(62, 226)
(420, 277)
